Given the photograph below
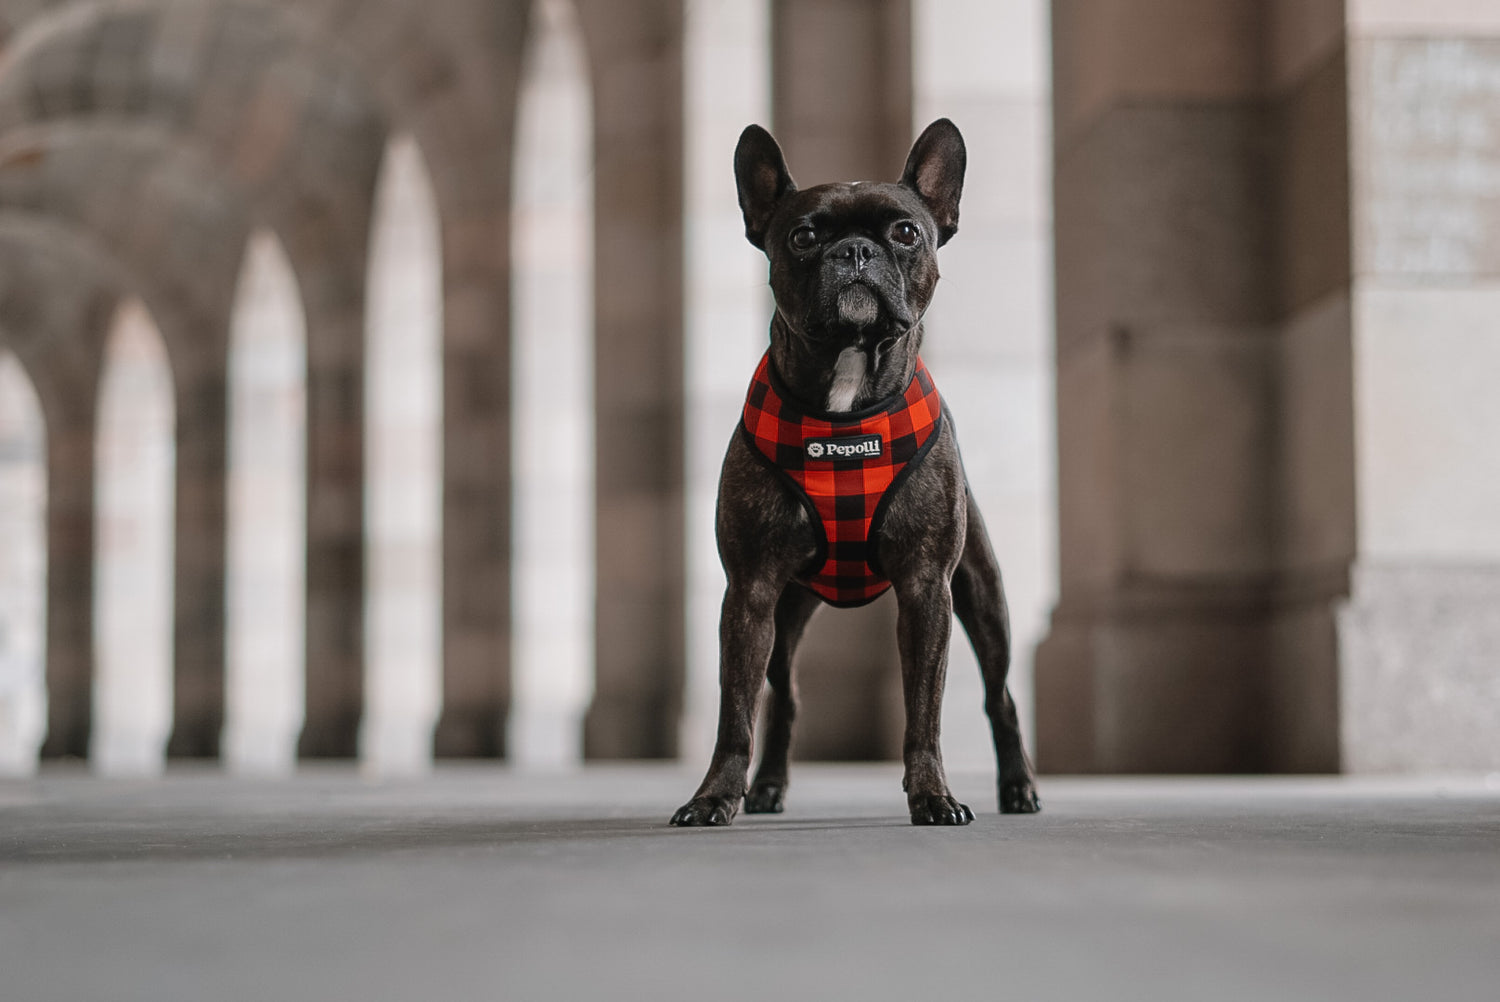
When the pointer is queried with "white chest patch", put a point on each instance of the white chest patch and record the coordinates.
(848, 377)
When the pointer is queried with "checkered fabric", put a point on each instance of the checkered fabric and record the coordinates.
(845, 496)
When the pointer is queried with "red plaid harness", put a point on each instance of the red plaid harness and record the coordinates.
(846, 468)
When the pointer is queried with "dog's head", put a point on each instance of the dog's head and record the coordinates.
(853, 265)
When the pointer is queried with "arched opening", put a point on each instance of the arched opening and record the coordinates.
(727, 312)
(136, 459)
(403, 466)
(996, 376)
(553, 442)
(23, 571)
(265, 623)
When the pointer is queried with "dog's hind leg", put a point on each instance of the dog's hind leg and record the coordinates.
(767, 793)
(979, 601)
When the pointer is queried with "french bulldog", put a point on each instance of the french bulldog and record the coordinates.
(842, 402)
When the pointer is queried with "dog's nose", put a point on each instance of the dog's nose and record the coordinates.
(855, 250)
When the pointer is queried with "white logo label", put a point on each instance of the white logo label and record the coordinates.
(853, 447)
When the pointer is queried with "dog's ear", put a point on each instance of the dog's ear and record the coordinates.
(935, 171)
(761, 176)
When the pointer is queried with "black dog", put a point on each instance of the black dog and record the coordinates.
(842, 399)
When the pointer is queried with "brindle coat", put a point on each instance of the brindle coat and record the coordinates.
(822, 244)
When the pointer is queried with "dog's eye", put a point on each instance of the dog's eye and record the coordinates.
(905, 234)
(804, 238)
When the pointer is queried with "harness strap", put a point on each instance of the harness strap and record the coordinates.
(845, 468)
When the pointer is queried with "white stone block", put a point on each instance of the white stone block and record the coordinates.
(1427, 423)
(1431, 17)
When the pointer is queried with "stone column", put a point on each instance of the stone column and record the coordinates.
(476, 573)
(841, 99)
(335, 514)
(466, 131)
(1276, 287)
(199, 552)
(841, 91)
(1166, 373)
(635, 51)
(1417, 641)
(56, 304)
(1312, 481)
(70, 575)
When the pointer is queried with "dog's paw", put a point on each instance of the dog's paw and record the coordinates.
(938, 809)
(703, 812)
(1019, 798)
(765, 798)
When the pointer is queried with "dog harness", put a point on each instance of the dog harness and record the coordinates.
(845, 468)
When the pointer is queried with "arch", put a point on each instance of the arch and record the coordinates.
(996, 376)
(727, 307)
(266, 583)
(176, 222)
(298, 132)
(552, 440)
(58, 294)
(403, 468)
(291, 125)
(133, 540)
(235, 70)
(23, 570)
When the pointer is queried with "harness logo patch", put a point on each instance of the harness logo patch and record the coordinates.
(853, 447)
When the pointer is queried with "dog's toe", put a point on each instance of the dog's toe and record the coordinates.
(938, 809)
(765, 798)
(1019, 798)
(704, 812)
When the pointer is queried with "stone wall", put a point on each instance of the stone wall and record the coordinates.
(1276, 264)
(1273, 244)
(1419, 672)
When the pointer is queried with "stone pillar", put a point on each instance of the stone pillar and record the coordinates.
(476, 526)
(1166, 375)
(199, 551)
(56, 304)
(466, 131)
(635, 51)
(841, 92)
(841, 101)
(335, 515)
(1312, 480)
(70, 575)
(1276, 278)
(1418, 638)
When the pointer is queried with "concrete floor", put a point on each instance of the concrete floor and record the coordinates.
(480, 883)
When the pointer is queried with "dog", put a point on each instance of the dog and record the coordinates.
(844, 478)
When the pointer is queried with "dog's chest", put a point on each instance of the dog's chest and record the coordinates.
(844, 468)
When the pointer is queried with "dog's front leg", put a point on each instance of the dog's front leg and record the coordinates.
(924, 621)
(746, 633)
(767, 794)
(979, 600)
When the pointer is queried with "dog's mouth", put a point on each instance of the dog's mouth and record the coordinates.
(858, 305)
(861, 304)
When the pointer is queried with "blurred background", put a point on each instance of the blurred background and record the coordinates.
(366, 367)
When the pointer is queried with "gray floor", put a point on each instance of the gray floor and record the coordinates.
(478, 883)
